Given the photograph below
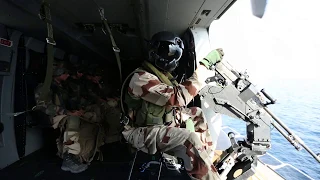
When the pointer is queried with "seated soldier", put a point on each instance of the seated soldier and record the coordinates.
(89, 135)
(80, 127)
(94, 129)
(157, 108)
(55, 107)
(103, 97)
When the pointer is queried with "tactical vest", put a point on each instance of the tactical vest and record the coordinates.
(149, 114)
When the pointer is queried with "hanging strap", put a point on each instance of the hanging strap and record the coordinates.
(45, 15)
(115, 48)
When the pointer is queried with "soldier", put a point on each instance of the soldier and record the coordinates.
(68, 121)
(89, 134)
(156, 106)
(97, 123)
(102, 97)
(58, 97)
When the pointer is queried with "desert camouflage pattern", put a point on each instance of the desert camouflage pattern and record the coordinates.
(85, 141)
(95, 119)
(195, 148)
(148, 87)
(175, 141)
(49, 106)
(200, 125)
(91, 134)
(99, 125)
(112, 113)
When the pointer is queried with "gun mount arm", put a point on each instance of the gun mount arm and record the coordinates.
(232, 94)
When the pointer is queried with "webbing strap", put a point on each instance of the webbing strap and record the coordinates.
(15, 114)
(123, 86)
(45, 15)
(115, 48)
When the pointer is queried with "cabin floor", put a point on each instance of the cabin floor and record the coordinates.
(45, 165)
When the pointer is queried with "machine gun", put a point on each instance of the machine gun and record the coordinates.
(235, 96)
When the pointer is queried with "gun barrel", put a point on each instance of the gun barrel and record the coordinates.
(278, 120)
(284, 134)
(311, 152)
(292, 141)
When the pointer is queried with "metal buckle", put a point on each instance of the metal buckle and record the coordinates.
(124, 119)
(51, 41)
(116, 49)
(42, 16)
(101, 11)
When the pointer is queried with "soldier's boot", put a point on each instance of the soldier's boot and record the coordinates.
(72, 163)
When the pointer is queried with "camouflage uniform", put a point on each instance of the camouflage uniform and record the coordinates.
(111, 114)
(194, 147)
(90, 134)
(55, 105)
(92, 91)
(98, 123)
(75, 88)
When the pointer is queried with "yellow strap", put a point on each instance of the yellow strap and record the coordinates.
(164, 78)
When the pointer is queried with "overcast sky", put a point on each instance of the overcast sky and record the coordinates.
(284, 44)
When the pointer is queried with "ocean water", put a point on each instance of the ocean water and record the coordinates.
(298, 106)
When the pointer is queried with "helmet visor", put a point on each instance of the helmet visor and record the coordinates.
(168, 55)
(169, 51)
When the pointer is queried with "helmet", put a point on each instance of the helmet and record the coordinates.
(165, 51)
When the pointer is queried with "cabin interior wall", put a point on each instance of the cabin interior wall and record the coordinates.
(140, 19)
(210, 11)
(8, 152)
(23, 16)
(174, 15)
(34, 141)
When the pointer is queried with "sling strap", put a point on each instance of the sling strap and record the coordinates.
(115, 48)
(45, 15)
(124, 119)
